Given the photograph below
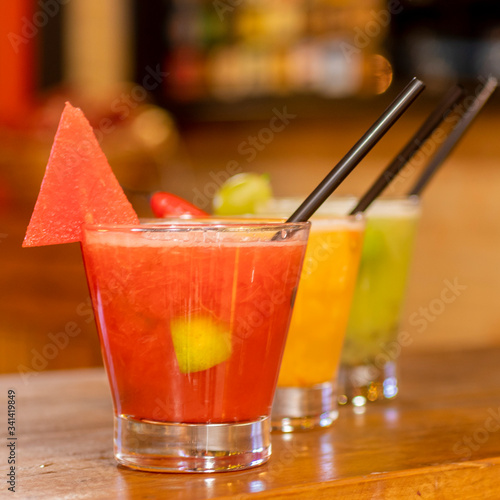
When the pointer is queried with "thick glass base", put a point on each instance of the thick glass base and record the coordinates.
(302, 408)
(364, 383)
(173, 447)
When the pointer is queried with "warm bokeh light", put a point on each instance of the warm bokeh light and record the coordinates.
(381, 73)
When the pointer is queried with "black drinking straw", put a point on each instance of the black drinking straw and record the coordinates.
(455, 135)
(358, 152)
(403, 157)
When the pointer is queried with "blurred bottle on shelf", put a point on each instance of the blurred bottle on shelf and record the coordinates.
(231, 50)
(17, 56)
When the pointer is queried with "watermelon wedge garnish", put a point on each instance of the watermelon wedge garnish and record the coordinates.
(78, 187)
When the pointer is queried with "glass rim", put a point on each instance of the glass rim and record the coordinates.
(197, 223)
(339, 206)
(408, 205)
(413, 199)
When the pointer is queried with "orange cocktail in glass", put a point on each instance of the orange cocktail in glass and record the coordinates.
(306, 394)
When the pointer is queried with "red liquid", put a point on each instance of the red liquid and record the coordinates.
(138, 290)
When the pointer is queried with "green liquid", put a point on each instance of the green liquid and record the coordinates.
(381, 284)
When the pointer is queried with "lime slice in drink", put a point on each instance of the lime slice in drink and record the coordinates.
(244, 193)
(200, 343)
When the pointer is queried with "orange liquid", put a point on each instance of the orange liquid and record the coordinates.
(323, 302)
(137, 291)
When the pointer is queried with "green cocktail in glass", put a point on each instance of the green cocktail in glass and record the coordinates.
(368, 364)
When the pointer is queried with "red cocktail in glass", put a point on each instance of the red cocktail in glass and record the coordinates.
(192, 318)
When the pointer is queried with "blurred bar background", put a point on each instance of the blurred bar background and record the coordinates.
(190, 87)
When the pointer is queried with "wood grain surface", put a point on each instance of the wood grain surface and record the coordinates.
(438, 439)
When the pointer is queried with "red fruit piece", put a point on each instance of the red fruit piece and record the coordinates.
(78, 187)
(170, 205)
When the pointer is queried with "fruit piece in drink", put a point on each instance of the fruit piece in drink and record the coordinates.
(199, 343)
(245, 193)
(78, 187)
(170, 205)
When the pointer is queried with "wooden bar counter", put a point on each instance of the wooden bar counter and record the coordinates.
(440, 438)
